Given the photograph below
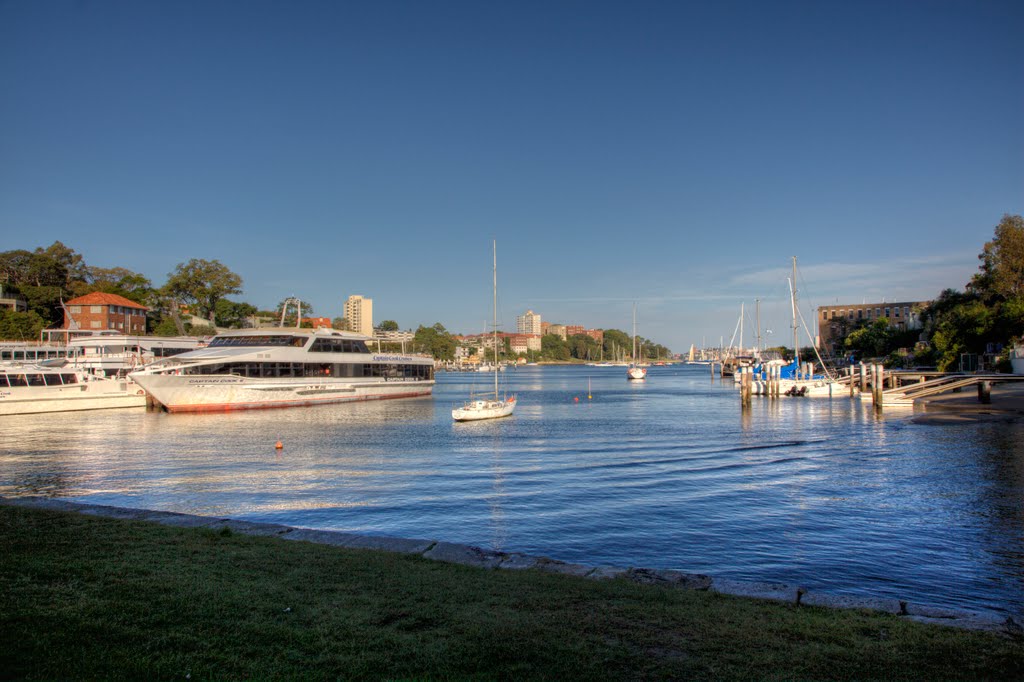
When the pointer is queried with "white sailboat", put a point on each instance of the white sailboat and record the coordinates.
(636, 371)
(489, 407)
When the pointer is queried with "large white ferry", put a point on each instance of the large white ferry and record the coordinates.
(261, 368)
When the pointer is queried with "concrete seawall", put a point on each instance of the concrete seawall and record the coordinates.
(481, 558)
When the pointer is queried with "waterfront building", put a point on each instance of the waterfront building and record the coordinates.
(359, 313)
(105, 311)
(393, 336)
(317, 322)
(521, 343)
(836, 321)
(12, 301)
(529, 323)
(558, 330)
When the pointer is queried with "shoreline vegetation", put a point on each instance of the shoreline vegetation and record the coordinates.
(89, 597)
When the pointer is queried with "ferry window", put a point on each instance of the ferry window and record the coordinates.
(5, 355)
(3, 381)
(51, 379)
(69, 378)
(35, 380)
(18, 380)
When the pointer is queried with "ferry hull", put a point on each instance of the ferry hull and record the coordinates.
(226, 394)
(74, 398)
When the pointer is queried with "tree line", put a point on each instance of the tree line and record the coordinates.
(987, 317)
(47, 278)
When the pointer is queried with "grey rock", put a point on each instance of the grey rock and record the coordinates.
(180, 520)
(518, 562)
(388, 544)
(463, 554)
(756, 590)
(41, 503)
(838, 601)
(252, 528)
(320, 537)
(553, 566)
(651, 576)
(607, 573)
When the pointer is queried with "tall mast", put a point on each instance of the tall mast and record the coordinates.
(757, 302)
(796, 340)
(741, 327)
(494, 246)
(634, 333)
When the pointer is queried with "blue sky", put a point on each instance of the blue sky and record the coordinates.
(673, 154)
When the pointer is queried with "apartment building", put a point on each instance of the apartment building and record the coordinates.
(529, 323)
(835, 321)
(359, 313)
(105, 311)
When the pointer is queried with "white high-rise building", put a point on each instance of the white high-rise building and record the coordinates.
(528, 323)
(359, 313)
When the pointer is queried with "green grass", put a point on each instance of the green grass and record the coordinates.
(88, 598)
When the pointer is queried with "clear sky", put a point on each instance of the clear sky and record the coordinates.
(670, 153)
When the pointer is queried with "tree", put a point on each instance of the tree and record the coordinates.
(388, 326)
(17, 326)
(616, 343)
(340, 323)
(436, 341)
(234, 315)
(870, 341)
(120, 281)
(552, 347)
(202, 283)
(1002, 261)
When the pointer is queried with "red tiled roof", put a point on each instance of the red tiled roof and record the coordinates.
(99, 298)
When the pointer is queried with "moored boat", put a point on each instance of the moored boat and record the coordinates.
(33, 389)
(265, 368)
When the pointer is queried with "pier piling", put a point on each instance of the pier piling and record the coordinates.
(985, 392)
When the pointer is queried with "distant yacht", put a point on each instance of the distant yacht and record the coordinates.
(637, 371)
(496, 406)
(262, 368)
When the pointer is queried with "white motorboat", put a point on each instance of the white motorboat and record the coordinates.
(263, 368)
(32, 389)
(496, 405)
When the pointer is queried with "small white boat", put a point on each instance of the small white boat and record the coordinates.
(476, 409)
(33, 389)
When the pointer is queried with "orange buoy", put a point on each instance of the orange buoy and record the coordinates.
(278, 445)
(576, 399)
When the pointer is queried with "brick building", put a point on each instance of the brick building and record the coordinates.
(836, 321)
(105, 311)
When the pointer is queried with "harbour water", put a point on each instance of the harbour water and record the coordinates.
(667, 473)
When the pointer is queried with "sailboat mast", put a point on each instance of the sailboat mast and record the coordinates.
(796, 339)
(494, 246)
(757, 303)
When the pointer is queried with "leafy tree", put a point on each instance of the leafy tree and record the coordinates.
(388, 326)
(436, 341)
(616, 343)
(234, 315)
(552, 347)
(201, 283)
(1002, 261)
(120, 281)
(341, 323)
(582, 347)
(18, 326)
(871, 340)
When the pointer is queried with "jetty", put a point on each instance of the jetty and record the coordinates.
(904, 387)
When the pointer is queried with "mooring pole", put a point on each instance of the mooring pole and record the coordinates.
(985, 392)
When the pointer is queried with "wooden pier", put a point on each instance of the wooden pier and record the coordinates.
(904, 387)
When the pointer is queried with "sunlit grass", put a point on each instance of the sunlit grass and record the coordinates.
(86, 597)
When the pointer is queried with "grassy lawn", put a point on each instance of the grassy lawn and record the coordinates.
(86, 597)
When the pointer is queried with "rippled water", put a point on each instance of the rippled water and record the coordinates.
(668, 473)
